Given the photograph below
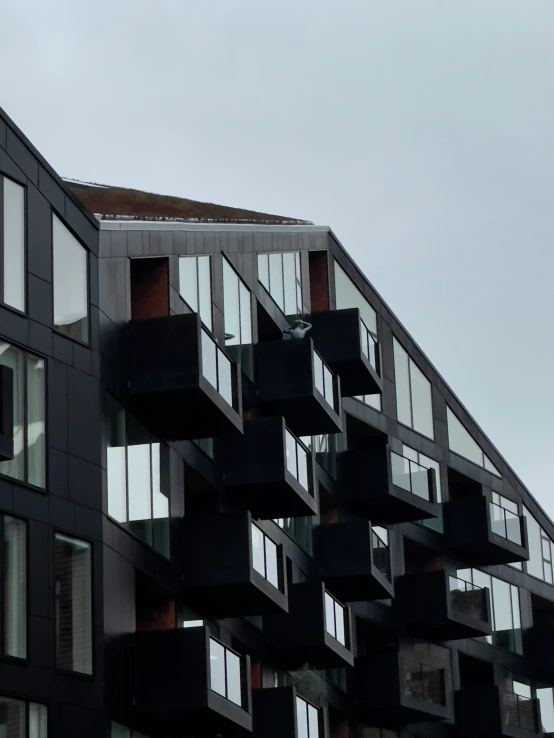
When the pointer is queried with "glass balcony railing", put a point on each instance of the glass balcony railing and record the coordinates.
(505, 523)
(218, 369)
(325, 381)
(519, 712)
(467, 598)
(226, 673)
(381, 551)
(370, 346)
(299, 460)
(423, 681)
(412, 477)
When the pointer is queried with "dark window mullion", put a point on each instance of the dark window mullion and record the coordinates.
(3, 559)
(283, 273)
(25, 418)
(410, 390)
(1, 238)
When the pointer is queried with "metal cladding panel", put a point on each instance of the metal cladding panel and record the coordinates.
(274, 712)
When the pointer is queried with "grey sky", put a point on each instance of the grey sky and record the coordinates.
(419, 130)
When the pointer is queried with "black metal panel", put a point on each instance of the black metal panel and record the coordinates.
(367, 487)
(351, 567)
(218, 572)
(388, 695)
(274, 714)
(6, 413)
(337, 335)
(538, 647)
(301, 638)
(166, 383)
(467, 524)
(489, 712)
(172, 693)
(257, 477)
(430, 609)
(286, 386)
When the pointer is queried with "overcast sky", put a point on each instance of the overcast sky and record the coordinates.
(420, 130)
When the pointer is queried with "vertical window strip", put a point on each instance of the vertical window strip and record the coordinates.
(13, 533)
(13, 243)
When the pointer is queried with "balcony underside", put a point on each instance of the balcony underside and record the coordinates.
(270, 500)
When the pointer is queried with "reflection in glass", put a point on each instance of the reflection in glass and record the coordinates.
(289, 281)
(422, 408)
(204, 290)
(38, 721)
(224, 376)
(280, 274)
(276, 279)
(402, 382)
(14, 244)
(217, 667)
(318, 374)
(461, 442)
(410, 476)
(263, 270)
(302, 718)
(12, 718)
(233, 677)
(546, 701)
(290, 445)
(70, 283)
(14, 359)
(209, 359)
(14, 595)
(258, 557)
(272, 568)
(35, 421)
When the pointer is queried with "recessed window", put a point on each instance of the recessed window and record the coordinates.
(19, 719)
(461, 442)
(13, 535)
(72, 569)
(265, 559)
(237, 314)
(70, 283)
(281, 275)
(28, 463)
(307, 719)
(225, 672)
(137, 471)
(335, 619)
(12, 243)
(413, 393)
(195, 286)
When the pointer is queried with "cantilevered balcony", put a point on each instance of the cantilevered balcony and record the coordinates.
(187, 683)
(280, 712)
(6, 413)
(349, 348)
(317, 631)
(232, 567)
(294, 381)
(182, 384)
(392, 691)
(490, 712)
(385, 487)
(439, 606)
(269, 471)
(483, 532)
(354, 560)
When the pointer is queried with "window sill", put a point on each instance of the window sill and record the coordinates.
(22, 483)
(85, 344)
(17, 311)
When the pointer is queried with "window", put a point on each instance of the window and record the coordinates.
(334, 619)
(380, 550)
(137, 471)
(461, 442)
(225, 672)
(12, 243)
(70, 283)
(413, 393)
(217, 368)
(505, 519)
(19, 719)
(237, 314)
(299, 460)
(14, 586)
(324, 380)
(410, 476)
(410, 453)
(119, 731)
(192, 623)
(544, 696)
(28, 464)
(195, 286)
(72, 567)
(347, 295)
(264, 556)
(300, 530)
(281, 275)
(326, 448)
(307, 719)
(541, 550)
(505, 609)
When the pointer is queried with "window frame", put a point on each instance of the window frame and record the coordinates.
(411, 362)
(241, 671)
(307, 705)
(4, 304)
(278, 557)
(55, 328)
(343, 609)
(196, 258)
(27, 705)
(298, 280)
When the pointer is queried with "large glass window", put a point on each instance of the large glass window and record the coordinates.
(410, 476)
(324, 380)
(137, 473)
(505, 609)
(307, 719)
(217, 368)
(541, 550)
(19, 719)
(347, 295)
(335, 619)
(237, 314)
(281, 275)
(413, 393)
(14, 586)
(299, 460)
(195, 285)
(12, 243)
(265, 556)
(410, 453)
(70, 283)
(461, 442)
(225, 672)
(505, 519)
(28, 463)
(72, 569)
(546, 701)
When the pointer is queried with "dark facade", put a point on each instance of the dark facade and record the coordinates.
(210, 527)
